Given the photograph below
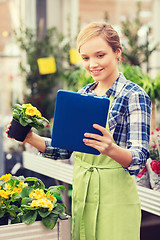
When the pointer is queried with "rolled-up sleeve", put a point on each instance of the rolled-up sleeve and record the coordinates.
(55, 153)
(138, 131)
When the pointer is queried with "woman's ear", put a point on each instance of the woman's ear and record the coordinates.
(118, 54)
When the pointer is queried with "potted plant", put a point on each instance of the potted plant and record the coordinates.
(142, 178)
(153, 163)
(25, 200)
(9, 197)
(24, 118)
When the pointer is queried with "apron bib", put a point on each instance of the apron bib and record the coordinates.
(105, 203)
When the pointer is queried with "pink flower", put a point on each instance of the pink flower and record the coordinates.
(140, 174)
(47, 125)
(152, 133)
(154, 146)
(157, 129)
(155, 166)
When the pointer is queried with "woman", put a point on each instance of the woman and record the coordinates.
(105, 202)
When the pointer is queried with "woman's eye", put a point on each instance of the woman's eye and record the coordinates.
(100, 55)
(85, 58)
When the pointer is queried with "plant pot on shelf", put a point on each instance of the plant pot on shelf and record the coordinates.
(4, 220)
(17, 131)
(153, 167)
(142, 178)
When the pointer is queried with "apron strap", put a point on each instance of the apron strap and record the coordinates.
(87, 176)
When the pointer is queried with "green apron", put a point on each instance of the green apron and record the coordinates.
(105, 203)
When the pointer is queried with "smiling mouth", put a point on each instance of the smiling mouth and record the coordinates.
(96, 71)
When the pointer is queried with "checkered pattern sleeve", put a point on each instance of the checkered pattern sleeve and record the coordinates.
(138, 130)
(55, 153)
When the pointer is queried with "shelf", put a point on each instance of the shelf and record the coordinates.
(22, 231)
(58, 169)
(150, 200)
(61, 170)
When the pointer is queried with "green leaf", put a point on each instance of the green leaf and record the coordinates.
(26, 191)
(38, 182)
(25, 201)
(29, 217)
(16, 197)
(60, 210)
(1, 182)
(44, 119)
(19, 178)
(15, 208)
(44, 212)
(50, 221)
(2, 213)
(66, 210)
(56, 189)
(12, 212)
(18, 106)
(61, 187)
(23, 122)
(16, 220)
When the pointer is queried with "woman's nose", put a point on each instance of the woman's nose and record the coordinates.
(93, 63)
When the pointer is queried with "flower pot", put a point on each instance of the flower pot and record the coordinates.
(154, 173)
(61, 231)
(4, 220)
(142, 178)
(17, 131)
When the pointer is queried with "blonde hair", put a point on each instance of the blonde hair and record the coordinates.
(96, 29)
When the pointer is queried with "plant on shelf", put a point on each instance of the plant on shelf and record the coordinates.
(26, 200)
(10, 198)
(155, 146)
(154, 161)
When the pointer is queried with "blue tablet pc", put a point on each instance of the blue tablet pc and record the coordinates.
(75, 114)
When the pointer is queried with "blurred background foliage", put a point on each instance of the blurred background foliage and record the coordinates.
(40, 88)
(134, 51)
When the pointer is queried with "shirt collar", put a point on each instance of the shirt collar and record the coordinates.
(117, 86)
(114, 90)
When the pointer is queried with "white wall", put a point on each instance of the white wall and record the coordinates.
(28, 12)
(155, 60)
(58, 12)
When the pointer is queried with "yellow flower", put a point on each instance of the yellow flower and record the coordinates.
(5, 194)
(42, 203)
(38, 114)
(17, 190)
(27, 105)
(32, 111)
(23, 184)
(38, 194)
(7, 186)
(51, 197)
(6, 177)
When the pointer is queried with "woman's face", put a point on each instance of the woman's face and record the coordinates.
(99, 59)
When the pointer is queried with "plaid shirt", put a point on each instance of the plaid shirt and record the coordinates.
(129, 122)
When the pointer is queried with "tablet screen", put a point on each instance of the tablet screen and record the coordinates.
(75, 114)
